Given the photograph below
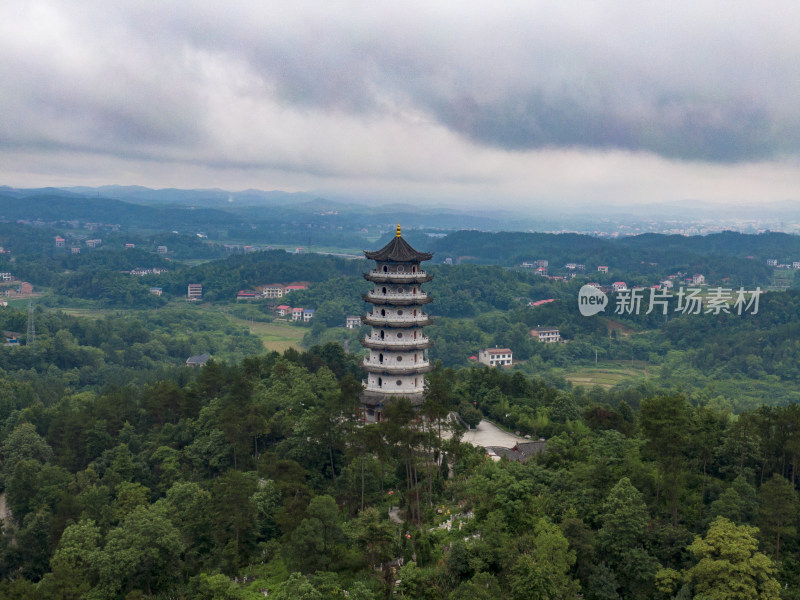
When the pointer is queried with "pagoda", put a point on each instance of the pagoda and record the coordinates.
(398, 358)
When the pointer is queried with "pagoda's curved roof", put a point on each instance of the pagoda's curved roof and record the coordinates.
(398, 250)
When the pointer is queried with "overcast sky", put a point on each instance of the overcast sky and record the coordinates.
(505, 103)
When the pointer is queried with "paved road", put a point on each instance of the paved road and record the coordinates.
(489, 434)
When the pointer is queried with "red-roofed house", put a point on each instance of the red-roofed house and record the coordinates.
(495, 356)
(619, 286)
(283, 310)
(540, 302)
(297, 314)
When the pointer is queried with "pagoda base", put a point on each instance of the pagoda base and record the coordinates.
(373, 403)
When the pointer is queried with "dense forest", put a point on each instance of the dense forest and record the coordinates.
(236, 480)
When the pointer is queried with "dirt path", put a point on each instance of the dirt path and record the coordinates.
(4, 512)
(489, 434)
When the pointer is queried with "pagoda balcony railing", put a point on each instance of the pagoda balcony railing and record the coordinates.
(379, 276)
(376, 343)
(420, 320)
(404, 299)
(375, 366)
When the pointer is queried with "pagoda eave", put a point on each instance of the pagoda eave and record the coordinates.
(398, 346)
(398, 277)
(401, 323)
(396, 370)
(396, 300)
(372, 399)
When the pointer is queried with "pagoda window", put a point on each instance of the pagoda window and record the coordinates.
(384, 290)
(380, 357)
(385, 269)
(380, 381)
(383, 312)
(400, 268)
(413, 269)
(381, 333)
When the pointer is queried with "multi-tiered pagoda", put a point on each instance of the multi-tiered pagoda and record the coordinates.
(398, 357)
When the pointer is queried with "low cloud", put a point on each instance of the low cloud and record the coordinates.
(453, 96)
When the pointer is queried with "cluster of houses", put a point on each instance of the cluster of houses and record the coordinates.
(271, 291)
(61, 242)
(295, 314)
(10, 286)
(140, 272)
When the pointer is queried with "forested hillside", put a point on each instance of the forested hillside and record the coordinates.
(233, 481)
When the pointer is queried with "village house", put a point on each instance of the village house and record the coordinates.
(495, 357)
(161, 250)
(245, 295)
(156, 291)
(352, 322)
(197, 361)
(602, 269)
(698, 279)
(60, 241)
(308, 314)
(521, 452)
(194, 291)
(547, 335)
(283, 310)
(297, 314)
(273, 290)
(619, 286)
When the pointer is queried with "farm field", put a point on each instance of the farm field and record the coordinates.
(605, 374)
(277, 335)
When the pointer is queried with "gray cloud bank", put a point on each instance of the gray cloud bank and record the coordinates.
(312, 87)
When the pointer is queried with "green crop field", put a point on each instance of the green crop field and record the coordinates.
(605, 374)
(277, 335)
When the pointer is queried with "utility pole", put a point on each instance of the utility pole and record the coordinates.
(31, 337)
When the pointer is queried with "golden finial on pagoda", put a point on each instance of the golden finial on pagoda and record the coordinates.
(398, 230)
